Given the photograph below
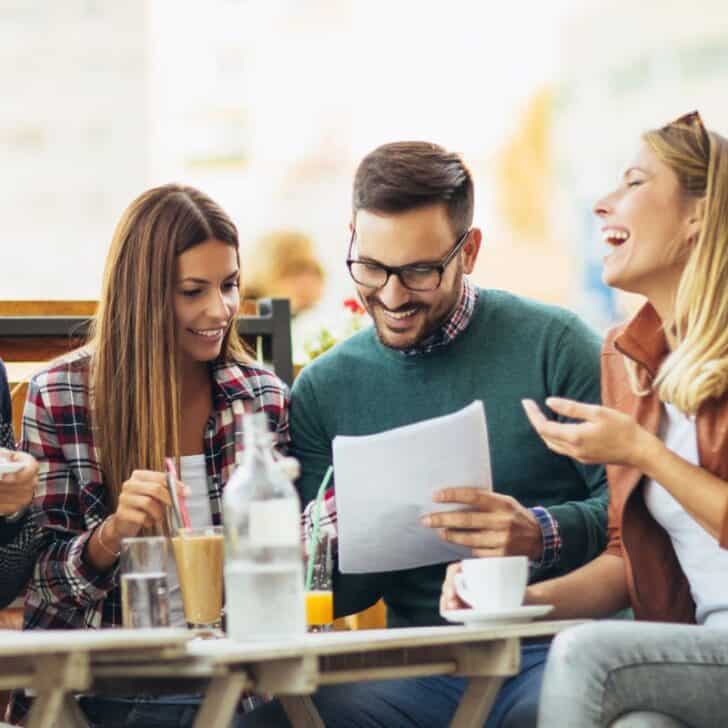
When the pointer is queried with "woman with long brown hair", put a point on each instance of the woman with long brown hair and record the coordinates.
(163, 375)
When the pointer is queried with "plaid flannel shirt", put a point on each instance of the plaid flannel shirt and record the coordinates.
(456, 323)
(66, 591)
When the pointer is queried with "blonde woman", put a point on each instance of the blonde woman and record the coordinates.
(663, 432)
(164, 374)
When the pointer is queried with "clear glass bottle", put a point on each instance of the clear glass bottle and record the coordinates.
(263, 559)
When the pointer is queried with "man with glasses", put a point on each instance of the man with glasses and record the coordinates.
(437, 344)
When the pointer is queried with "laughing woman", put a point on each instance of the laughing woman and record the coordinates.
(164, 374)
(663, 431)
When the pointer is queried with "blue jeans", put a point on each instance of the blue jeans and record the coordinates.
(417, 702)
(637, 674)
(153, 711)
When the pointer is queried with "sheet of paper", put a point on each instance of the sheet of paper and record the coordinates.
(385, 482)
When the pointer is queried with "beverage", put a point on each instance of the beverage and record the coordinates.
(144, 600)
(260, 599)
(199, 556)
(263, 565)
(319, 607)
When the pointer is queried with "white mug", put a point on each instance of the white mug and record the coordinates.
(493, 583)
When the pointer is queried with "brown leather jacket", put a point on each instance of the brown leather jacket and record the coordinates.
(658, 588)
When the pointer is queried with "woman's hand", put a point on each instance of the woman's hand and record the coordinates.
(16, 489)
(449, 598)
(604, 436)
(143, 502)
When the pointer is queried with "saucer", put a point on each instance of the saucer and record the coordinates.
(487, 617)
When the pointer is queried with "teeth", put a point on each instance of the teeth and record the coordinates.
(402, 314)
(209, 333)
(610, 235)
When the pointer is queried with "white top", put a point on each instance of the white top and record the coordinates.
(704, 562)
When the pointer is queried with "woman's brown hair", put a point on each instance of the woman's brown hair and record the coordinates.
(134, 375)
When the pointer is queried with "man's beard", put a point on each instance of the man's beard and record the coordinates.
(433, 315)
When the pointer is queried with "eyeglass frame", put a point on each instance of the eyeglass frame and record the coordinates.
(396, 270)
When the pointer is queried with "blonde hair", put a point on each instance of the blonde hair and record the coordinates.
(279, 255)
(697, 367)
(134, 374)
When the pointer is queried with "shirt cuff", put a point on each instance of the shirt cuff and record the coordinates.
(551, 538)
(87, 584)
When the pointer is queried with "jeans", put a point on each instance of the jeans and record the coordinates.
(153, 711)
(636, 675)
(417, 702)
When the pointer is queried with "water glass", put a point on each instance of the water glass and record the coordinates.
(320, 594)
(144, 590)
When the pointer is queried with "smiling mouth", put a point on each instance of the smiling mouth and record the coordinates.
(401, 315)
(208, 333)
(614, 237)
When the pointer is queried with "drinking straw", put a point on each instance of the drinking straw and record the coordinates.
(315, 529)
(179, 504)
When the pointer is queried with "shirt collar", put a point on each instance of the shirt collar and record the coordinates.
(454, 325)
(643, 339)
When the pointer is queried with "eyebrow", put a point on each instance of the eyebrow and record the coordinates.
(415, 264)
(193, 279)
(635, 169)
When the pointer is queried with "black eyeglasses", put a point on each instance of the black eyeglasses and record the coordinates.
(415, 277)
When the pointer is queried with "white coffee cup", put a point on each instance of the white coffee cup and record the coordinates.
(493, 584)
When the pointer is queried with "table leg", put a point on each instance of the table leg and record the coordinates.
(221, 699)
(301, 711)
(476, 702)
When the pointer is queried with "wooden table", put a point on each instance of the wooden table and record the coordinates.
(126, 662)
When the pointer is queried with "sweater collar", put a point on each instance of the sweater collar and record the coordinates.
(453, 326)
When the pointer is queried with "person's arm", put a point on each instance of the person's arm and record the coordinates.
(311, 445)
(607, 435)
(580, 524)
(17, 557)
(62, 575)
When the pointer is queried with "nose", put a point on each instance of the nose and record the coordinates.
(217, 307)
(393, 294)
(604, 206)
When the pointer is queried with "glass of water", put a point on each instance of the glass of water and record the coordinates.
(144, 591)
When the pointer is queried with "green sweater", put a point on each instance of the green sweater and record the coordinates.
(513, 348)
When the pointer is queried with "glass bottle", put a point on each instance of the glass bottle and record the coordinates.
(263, 559)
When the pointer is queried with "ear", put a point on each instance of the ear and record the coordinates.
(471, 249)
(695, 220)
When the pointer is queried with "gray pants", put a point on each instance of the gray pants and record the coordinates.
(636, 675)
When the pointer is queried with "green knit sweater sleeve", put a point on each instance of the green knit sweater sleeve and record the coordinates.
(311, 444)
(573, 372)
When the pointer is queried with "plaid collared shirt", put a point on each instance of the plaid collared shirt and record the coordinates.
(66, 591)
(456, 323)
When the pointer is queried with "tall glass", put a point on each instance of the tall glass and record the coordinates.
(144, 590)
(320, 594)
(199, 556)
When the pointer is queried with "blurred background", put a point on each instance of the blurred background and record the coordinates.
(268, 105)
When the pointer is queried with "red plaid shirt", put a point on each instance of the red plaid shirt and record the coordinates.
(66, 591)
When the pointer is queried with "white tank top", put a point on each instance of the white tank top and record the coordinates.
(702, 559)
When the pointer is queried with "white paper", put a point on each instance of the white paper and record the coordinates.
(385, 482)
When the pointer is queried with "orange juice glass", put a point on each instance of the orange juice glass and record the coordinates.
(319, 607)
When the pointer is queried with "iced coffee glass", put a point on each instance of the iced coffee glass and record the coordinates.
(199, 556)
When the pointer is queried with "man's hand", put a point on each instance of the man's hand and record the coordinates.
(492, 525)
(449, 598)
(16, 489)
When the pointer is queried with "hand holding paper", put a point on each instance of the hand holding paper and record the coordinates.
(385, 483)
(496, 525)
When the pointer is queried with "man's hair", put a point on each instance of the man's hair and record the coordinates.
(403, 176)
